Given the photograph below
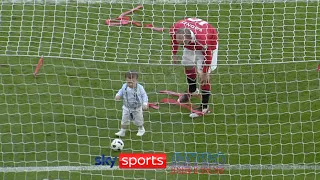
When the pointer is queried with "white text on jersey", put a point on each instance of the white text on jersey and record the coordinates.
(191, 26)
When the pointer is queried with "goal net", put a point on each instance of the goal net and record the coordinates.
(265, 91)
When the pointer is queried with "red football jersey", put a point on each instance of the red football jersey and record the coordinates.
(206, 38)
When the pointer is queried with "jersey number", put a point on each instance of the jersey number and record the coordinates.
(199, 21)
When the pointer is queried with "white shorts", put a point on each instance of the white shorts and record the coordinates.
(196, 58)
(136, 116)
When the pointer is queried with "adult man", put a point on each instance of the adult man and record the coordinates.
(200, 54)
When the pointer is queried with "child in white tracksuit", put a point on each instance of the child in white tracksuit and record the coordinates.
(135, 99)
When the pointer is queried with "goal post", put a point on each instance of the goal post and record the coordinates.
(265, 92)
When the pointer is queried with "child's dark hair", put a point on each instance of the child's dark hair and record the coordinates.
(132, 74)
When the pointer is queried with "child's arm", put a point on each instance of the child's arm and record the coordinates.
(144, 98)
(120, 93)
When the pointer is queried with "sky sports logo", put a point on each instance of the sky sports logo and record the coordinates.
(135, 161)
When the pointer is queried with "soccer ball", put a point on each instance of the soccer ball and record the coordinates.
(117, 145)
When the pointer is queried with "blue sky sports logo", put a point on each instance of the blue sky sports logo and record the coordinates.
(194, 162)
(105, 160)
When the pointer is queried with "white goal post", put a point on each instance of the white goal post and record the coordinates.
(265, 92)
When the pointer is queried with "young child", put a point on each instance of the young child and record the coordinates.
(135, 99)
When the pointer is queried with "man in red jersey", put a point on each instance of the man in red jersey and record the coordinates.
(200, 54)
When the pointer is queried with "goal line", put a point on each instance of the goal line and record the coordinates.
(102, 168)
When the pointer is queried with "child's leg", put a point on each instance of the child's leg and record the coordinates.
(125, 122)
(126, 117)
(139, 121)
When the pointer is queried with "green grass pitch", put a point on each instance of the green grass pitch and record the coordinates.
(265, 112)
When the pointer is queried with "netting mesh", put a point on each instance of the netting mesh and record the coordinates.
(265, 90)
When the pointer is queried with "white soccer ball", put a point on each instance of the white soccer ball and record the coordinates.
(117, 145)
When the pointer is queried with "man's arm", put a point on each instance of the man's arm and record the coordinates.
(207, 60)
(210, 45)
(175, 47)
(174, 44)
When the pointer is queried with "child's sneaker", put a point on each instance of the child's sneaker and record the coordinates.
(121, 133)
(141, 131)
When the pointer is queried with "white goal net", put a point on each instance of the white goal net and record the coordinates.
(265, 91)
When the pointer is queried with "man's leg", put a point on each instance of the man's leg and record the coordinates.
(205, 86)
(191, 76)
(188, 61)
(206, 93)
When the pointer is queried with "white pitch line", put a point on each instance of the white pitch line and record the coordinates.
(150, 1)
(102, 168)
